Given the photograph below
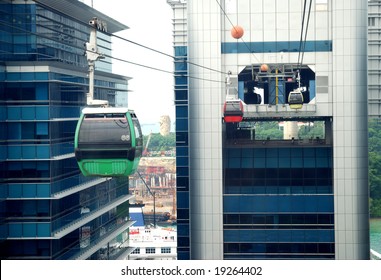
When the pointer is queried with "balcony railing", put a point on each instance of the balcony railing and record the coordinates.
(77, 219)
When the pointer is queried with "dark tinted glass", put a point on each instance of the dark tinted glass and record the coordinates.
(101, 130)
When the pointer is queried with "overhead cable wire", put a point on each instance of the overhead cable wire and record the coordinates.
(141, 45)
(163, 53)
(109, 56)
(165, 71)
(233, 26)
(303, 33)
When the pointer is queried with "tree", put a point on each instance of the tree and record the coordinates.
(374, 130)
(312, 130)
(264, 130)
(161, 143)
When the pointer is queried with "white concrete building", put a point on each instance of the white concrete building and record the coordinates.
(243, 197)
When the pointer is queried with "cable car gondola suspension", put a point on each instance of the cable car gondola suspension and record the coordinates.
(108, 141)
(233, 106)
(295, 97)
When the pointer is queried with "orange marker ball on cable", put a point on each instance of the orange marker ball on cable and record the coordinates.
(264, 68)
(237, 32)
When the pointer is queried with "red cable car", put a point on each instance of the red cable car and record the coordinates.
(233, 111)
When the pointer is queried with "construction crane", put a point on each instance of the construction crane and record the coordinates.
(145, 151)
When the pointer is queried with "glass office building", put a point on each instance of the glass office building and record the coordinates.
(182, 128)
(246, 195)
(48, 209)
(374, 89)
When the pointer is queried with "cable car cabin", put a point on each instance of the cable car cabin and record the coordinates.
(233, 111)
(295, 99)
(108, 142)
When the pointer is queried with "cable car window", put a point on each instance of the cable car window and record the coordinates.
(296, 98)
(138, 138)
(103, 130)
(138, 132)
(233, 106)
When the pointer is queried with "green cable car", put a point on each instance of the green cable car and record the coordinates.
(108, 142)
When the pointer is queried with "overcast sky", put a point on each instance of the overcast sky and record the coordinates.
(150, 23)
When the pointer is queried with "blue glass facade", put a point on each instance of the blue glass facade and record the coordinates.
(274, 47)
(278, 203)
(48, 209)
(32, 33)
(182, 153)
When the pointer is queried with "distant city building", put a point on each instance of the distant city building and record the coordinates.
(243, 197)
(48, 209)
(149, 242)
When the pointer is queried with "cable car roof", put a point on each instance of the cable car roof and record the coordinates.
(105, 110)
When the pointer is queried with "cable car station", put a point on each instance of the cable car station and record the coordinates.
(281, 93)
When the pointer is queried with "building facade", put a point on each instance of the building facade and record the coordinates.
(181, 98)
(150, 243)
(243, 195)
(374, 89)
(48, 209)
